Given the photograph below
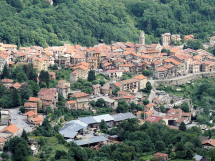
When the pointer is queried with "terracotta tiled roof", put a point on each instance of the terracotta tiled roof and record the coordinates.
(161, 154)
(210, 141)
(172, 110)
(149, 112)
(82, 67)
(30, 105)
(7, 81)
(150, 105)
(186, 114)
(33, 99)
(2, 140)
(117, 84)
(30, 113)
(160, 69)
(16, 85)
(79, 94)
(72, 102)
(11, 128)
(123, 93)
(129, 81)
(140, 77)
(139, 112)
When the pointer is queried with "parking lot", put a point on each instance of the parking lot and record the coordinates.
(19, 121)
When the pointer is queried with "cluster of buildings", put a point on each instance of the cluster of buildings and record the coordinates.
(75, 129)
(116, 59)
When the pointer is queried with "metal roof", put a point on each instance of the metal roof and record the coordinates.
(78, 122)
(88, 120)
(105, 117)
(95, 139)
(198, 157)
(68, 134)
(123, 116)
(72, 128)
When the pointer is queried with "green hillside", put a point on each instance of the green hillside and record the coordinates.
(35, 22)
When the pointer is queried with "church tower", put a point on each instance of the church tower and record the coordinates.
(142, 38)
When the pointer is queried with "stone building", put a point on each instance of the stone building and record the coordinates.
(142, 38)
(166, 39)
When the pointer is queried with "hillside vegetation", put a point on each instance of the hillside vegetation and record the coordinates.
(35, 22)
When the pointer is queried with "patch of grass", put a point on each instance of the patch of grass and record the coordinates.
(181, 160)
(52, 142)
(32, 158)
(147, 157)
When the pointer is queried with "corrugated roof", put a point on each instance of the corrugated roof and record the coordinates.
(105, 117)
(123, 116)
(95, 139)
(68, 134)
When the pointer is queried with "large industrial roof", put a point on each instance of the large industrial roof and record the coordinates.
(95, 139)
(123, 116)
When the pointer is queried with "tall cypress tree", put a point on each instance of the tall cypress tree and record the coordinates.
(16, 98)
(5, 72)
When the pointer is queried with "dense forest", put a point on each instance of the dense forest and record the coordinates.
(35, 22)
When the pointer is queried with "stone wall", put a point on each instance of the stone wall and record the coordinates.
(184, 79)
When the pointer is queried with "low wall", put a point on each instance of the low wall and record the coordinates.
(184, 79)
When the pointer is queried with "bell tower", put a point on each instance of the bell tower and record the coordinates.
(142, 38)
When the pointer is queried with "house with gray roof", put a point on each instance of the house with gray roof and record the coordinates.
(122, 116)
(90, 141)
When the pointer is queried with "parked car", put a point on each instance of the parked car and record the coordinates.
(15, 118)
(32, 126)
(27, 122)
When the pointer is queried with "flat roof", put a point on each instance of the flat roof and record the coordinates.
(68, 134)
(123, 116)
(95, 139)
(87, 120)
(105, 117)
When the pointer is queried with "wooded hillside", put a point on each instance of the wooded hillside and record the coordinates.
(35, 22)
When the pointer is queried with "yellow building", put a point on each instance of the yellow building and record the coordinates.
(142, 81)
(41, 64)
(93, 63)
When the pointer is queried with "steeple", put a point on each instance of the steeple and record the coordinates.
(142, 38)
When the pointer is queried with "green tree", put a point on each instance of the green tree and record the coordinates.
(16, 98)
(212, 154)
(91, 76)
(117, 89)
(21, 152)
(172, 101)
(17, 60)
(162, 108)
(44, 77)
(73, 98)
(160, 146)
(100, 102)
(103, 126)
(4, 156)
(145, 102)
(5, 72)
(22, 109)
(148, 86)
(182, 127)
(147, 73)
(95, 82)
(55, 67)
(101, 82)
(185, 107)
(43, 85)
(24, 135)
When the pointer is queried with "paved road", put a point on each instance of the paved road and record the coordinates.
(20, 121)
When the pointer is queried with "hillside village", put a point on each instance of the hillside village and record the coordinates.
(141, 62)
